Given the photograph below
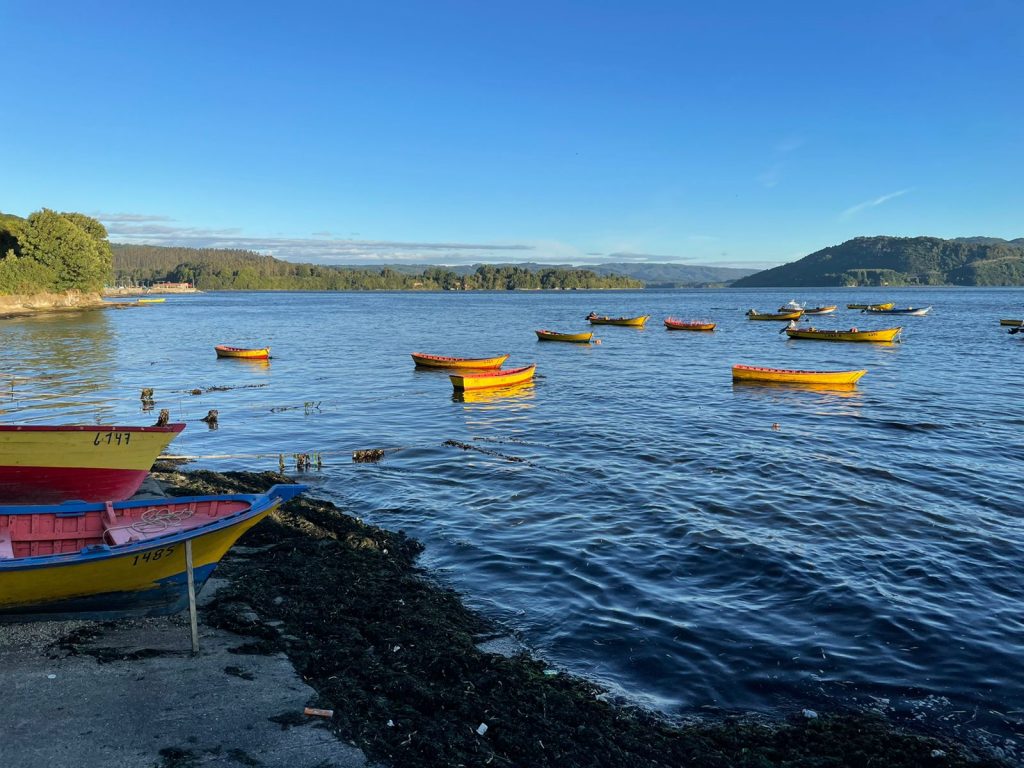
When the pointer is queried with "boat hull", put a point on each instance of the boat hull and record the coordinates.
(913, 311)
(794, 315)
(821, 310)
(242, 353)
(103, 581)
(632, 322)
(576, 338)
(887, 305)
(1015, 323)
(48, 465)
(687, 325)
(424, 360)
(488, 380)
(754, 373)
(884, 335)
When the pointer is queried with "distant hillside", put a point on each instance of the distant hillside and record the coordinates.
(901, 261)
(673, 275)
(211, 269)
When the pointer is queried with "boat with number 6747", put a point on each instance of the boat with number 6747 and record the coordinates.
(42, 464)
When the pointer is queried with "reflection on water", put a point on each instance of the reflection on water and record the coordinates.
(514, 395)
(840, 390)
(59, 363)
(247, 362)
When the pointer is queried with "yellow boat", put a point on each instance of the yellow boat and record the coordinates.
(885, 334)
(753, 314)
(490, 379)
(114, 560)
(1015, 323)
(826, 310)
(578, 338)
(424, 360)
(889, 305)
(632, 322)
(241, 353)
(754, 373)
(151, 301)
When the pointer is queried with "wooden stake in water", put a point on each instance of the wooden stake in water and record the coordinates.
(191, 597)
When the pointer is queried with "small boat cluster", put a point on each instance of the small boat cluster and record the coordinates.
(468, 373)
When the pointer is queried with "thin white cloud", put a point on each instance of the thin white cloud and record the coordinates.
(138, 229)
(853, 210)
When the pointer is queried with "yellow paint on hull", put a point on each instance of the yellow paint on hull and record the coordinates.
(243, 354)
(889, 305)
(493, 379)
(632, 322)
(441, 361)
(1015, 323)
(122, 573)
(884, 335)
(754, 373)
(579, 338)
(84, 448)
(151, 301)
(755, 315)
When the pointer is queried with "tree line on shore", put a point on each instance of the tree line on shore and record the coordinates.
(210, 269)
(50, 251)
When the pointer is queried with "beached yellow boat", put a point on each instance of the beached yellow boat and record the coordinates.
(889, 305)
(578, 338)
(488, 379)
(754, 373)
(1015, 323)
(242, 353)
(113, 560)
(794, 314)
(424, 360)
(633, 322)
(674, 324)
(853, 334)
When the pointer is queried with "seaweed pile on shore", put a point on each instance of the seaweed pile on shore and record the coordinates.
(396, 658)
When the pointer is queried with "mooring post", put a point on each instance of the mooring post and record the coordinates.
(191, 597)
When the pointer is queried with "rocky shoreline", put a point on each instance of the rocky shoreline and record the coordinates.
(20, 305)
(415, 679)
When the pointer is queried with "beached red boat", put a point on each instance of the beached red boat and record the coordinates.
(51, 464)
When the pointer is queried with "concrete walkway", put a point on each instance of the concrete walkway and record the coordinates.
(71, 707)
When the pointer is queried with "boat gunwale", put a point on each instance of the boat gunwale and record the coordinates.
(175, 428)
(449, 359)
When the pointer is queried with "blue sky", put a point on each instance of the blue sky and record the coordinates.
(732, 133)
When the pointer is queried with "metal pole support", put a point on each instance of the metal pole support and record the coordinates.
(192, 597)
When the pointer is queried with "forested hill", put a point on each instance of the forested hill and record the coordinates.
(901, 261)
(220, 269)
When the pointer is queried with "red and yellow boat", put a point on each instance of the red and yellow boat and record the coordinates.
(115, 560)
(490, 379)
(424, 360)
(782, 375)
(674, 324)
(577, 338)
(243, 353)
(632, 322)
(44, 464)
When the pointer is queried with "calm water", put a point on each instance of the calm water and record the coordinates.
(689, 543)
